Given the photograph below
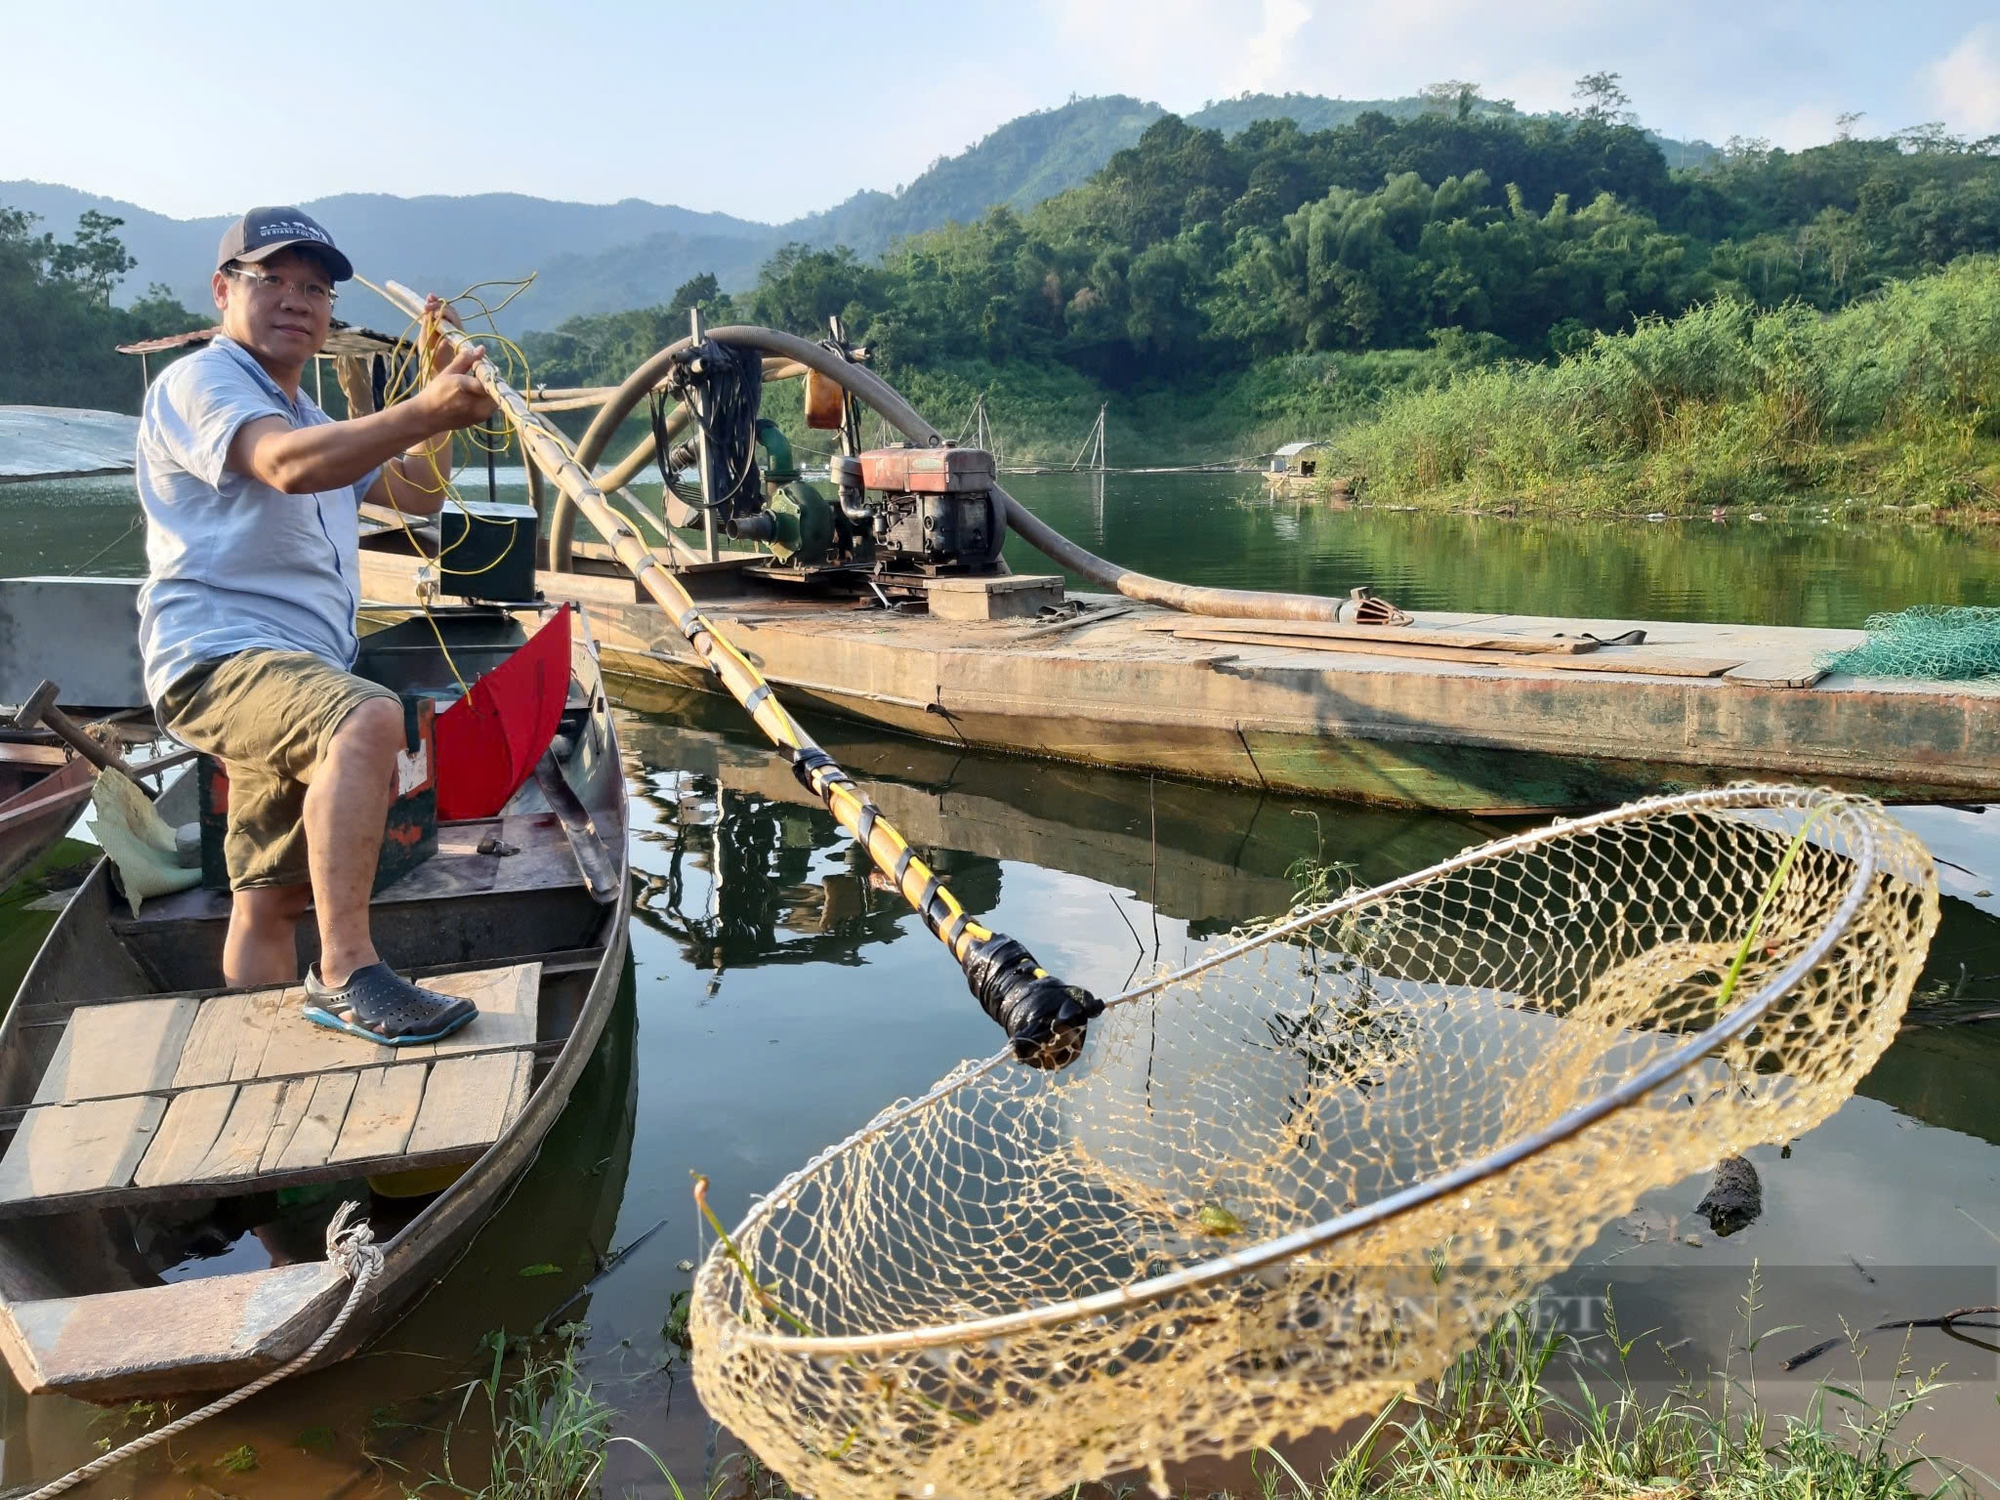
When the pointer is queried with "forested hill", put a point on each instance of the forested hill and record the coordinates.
(1048, 152)
(1192, 252)
(445, 242)
(604, 257)
(58, 329)
(1223, 292)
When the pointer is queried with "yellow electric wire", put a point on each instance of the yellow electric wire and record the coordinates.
(408, 373)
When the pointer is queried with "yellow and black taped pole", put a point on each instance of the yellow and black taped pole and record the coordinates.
(1043, 1017)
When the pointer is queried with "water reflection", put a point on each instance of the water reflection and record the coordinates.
(777, 1007)
(1211, 856)
(1797, 568)
(779, 887)
(753, 1069)
(1803, 568)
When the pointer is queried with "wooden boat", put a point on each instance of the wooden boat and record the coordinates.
(1427, 719)
(42, 788)
(170, 1151)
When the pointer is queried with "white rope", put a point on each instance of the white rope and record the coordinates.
(354, 1251)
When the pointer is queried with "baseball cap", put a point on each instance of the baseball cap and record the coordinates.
(263, 232)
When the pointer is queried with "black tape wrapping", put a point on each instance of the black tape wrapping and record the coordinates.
(811, 759)
(1043, 1017)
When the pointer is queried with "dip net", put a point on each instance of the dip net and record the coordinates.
(1934, 642)
(1282, 1184)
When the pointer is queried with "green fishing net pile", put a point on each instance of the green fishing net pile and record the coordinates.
(1932, 641)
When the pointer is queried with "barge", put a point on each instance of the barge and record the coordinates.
(1119, 683)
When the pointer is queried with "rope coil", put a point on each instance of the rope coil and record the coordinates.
(349, 1246)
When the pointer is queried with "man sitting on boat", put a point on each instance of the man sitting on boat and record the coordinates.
(247, 618)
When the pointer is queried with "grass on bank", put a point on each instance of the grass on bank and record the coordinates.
(1896, 399)
(1042, 414)
(1528, 1414)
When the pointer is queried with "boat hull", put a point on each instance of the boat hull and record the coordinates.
(1471, 738)
(33, 818)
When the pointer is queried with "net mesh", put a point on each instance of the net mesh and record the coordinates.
(1287, 1182)
(1935, 642)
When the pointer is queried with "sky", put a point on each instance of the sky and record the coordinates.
(768, 110)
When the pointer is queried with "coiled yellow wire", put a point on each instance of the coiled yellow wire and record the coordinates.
(410, 370)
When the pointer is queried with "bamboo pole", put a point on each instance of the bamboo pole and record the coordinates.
(1044, 1017)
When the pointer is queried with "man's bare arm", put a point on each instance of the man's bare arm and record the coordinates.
(306, 460)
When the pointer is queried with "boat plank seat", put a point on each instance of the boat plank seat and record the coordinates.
(112, 1342)
(543, 861)
(178, 1096)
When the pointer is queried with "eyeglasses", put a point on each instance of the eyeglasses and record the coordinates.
(318, 294)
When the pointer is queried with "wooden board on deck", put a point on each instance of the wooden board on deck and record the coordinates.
(468, 1100)
(127, 1047)
(1402, 635)
(313, 1138)
(176, 1096)
(1777, 671)
(378, 1120)
(63, 1149)
(114, 1343)
(193, 1121)
(1648, 666)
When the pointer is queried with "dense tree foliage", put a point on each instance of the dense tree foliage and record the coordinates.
(58, 329)
(1486, 233)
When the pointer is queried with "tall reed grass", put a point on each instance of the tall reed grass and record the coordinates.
(1896, 398)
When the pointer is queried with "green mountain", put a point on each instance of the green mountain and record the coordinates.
(603, 257)
(1026, 160)
(447, 243)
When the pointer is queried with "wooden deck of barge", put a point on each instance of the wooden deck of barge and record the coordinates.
(1146, 689)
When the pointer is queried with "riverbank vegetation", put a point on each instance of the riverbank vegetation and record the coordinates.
(1222, 294)
(58, 330)
(1894, 399)
(1530, 1413)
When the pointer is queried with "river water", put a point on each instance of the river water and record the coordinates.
(777, 999)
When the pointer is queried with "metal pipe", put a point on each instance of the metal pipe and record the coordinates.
(858, 380)
(627, 468)
(705, 461)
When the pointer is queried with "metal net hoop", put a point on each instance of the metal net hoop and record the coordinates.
(1291, 1178)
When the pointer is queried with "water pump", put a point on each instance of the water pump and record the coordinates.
(900, 510)
(897, 511)
(933, 510)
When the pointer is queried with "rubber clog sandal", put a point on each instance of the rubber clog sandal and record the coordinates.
(378, 1005)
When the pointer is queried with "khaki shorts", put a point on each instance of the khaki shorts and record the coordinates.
(268, 716)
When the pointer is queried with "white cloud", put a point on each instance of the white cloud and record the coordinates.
(1182, 52)
(1267, 61)
(1806, 125)
(1965, 84)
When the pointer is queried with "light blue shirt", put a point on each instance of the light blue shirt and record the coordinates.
(233, 564)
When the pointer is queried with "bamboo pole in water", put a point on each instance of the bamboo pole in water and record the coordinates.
(1043, 1017)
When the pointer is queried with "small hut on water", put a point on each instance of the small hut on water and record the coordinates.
(1295, 464)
